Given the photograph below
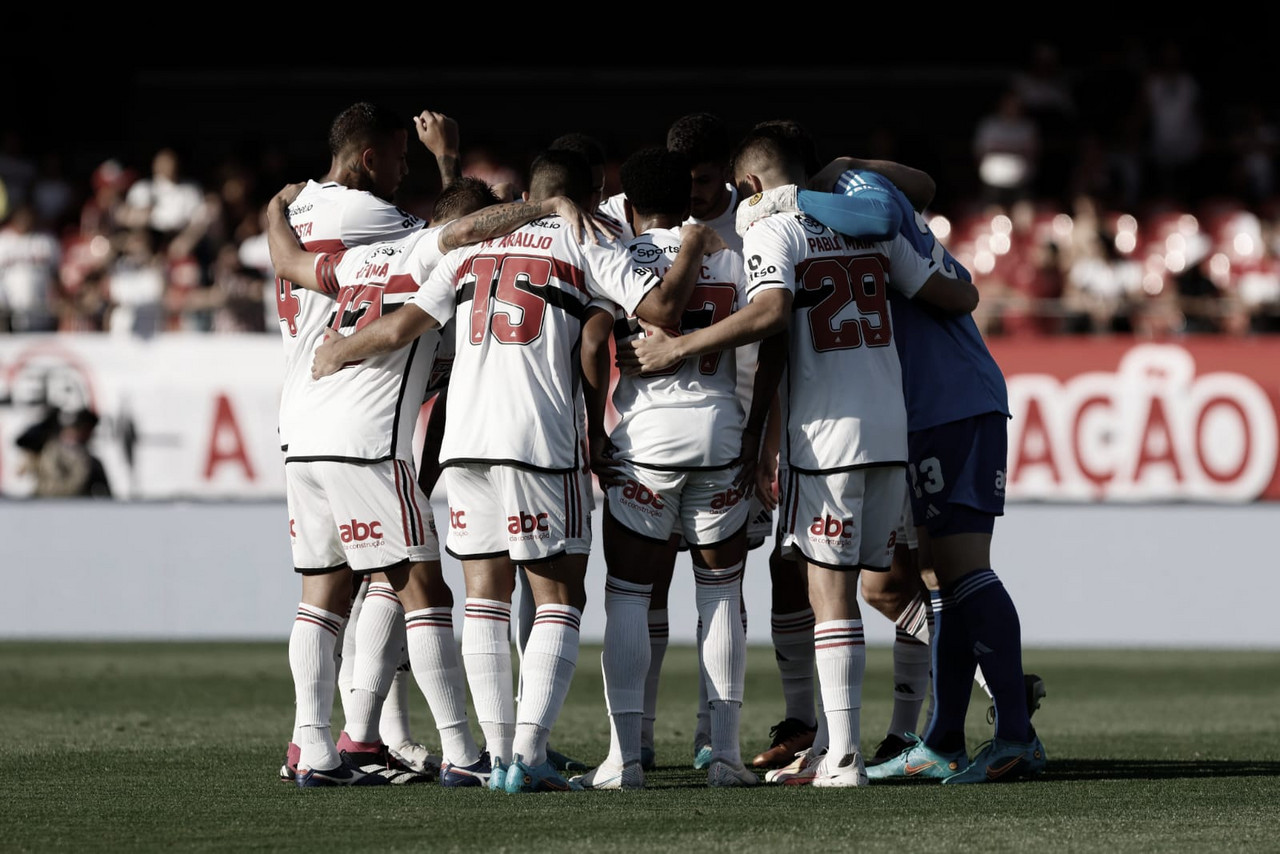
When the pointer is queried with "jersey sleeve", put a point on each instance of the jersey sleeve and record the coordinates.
(768, 257)
(435, 296)
(614, 275)
(368, 219)
(908, 269)
(869, 213)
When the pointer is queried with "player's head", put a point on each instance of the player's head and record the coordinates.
(792, 129)
(767, 157)
(704, 139)
(465, 195)
(369, 146)
(590, 148)
(656, 182)
(560, 172)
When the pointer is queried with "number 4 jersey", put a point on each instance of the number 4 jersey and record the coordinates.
(367, 411)
(842, 392)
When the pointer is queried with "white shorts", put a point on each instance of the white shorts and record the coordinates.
(907, 525)
(701, 505)
(497, 510)
(368, 516)
(843, 519)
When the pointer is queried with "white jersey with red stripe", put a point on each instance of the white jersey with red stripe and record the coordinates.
(689, 415)
(326, 217)
(516, 376)
(842, 392)
(367, 411)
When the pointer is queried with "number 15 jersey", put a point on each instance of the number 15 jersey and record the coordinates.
(516, 374)
(842, 391)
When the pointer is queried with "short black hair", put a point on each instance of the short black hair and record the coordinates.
(561, 172)
(702, 137)
(586, 145)
(769, 143)
(792, 129)
(465, 195)
(363, 125)
(657, 181)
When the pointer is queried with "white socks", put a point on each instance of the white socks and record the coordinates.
(379, 645)
(793, 648)
(486, 656)
(433, 654)
(550, 658)
(625, 663)
(841, 656)
(311, 645)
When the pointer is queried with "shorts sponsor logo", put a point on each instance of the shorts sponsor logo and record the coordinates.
(729, 498)
(832, 531)
(640, 497)
(361, 535)
(293, 529)
(529, 526)
(457, 519)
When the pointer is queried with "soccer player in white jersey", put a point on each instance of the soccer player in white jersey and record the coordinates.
(843, 418)
(352, 484)
(512, 445)
(669, 466)
(350, 205)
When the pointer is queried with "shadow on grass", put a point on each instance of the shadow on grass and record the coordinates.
(1156, 769)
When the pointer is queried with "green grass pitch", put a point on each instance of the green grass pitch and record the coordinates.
(176, 746)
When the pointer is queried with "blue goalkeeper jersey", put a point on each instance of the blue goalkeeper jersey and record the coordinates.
(947, 371)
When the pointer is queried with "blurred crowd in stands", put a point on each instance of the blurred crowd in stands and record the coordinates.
(1105, 203)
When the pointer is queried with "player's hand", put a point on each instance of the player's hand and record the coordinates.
(323, 361)
(778, 200)
(437, 132)
(604, 464)
(704, 237)
(745, 480)
(290, 192)
(657, 349)
(766, 485)
(583, 225)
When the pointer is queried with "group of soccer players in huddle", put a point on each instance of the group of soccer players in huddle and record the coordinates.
(794, 351)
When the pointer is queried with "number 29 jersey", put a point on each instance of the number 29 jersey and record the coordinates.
(842, 391)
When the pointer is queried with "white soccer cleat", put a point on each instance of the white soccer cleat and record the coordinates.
(726, 776)
(608, 776)
(417, 757)
(801, 771)
(848, 773)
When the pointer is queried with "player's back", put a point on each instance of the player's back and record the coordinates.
(842, 392)
(688, 415)
(521, 299)
(948, 371)
(326, 217)
(368, 410)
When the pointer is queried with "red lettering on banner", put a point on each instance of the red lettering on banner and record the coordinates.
(1034, 434)
(1154, 433)
(225, 425)
(1098, 477)
(1209, 470)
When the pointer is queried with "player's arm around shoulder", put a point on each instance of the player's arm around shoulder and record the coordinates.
(384, 335)
(289, 260)
(664, 305)
(923, 280)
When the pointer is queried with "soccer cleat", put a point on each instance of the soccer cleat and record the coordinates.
(789, 737)
(801, 770)
(289, 770)
(1001, 761)
(919, 760)
(628, 776)
(498, 779)
(475, 775)
(648, 759)
(848, 773)
(724, 775)
(702, 758)
(563, 763)
(889, 748)
(382, 763)
(417, 757)
(540, 778)
(1035, 693)
(345, 774)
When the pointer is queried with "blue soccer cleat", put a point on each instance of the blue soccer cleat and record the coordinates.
(540, 778)
(702, 758)
(920, 761)
(1000, 761)
(475, 775)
